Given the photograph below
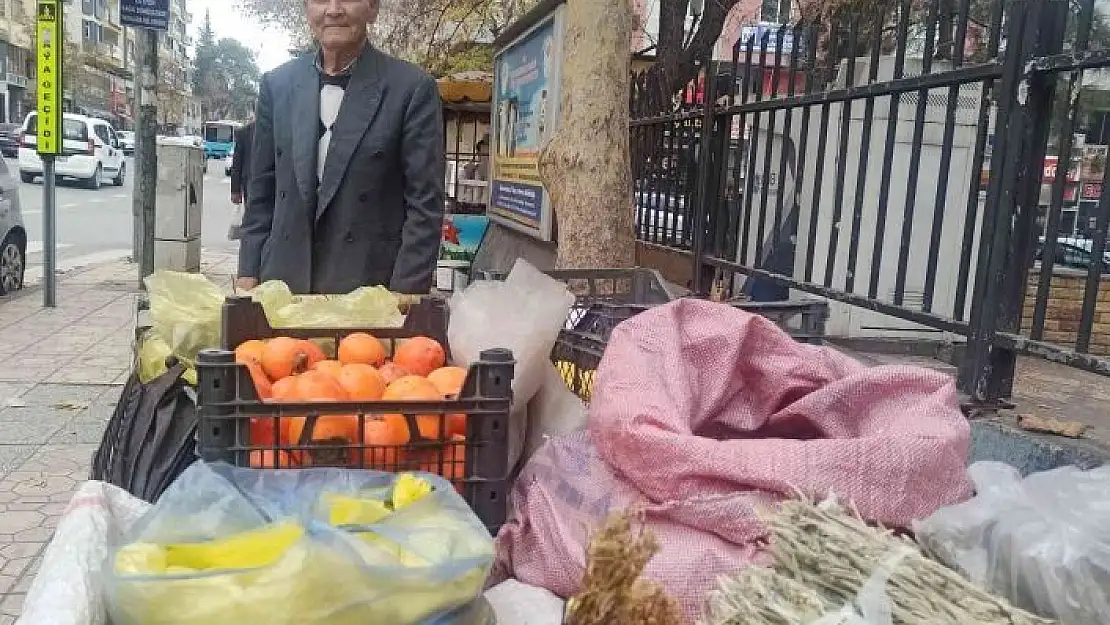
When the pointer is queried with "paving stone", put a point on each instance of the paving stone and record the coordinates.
(49, 395)
(12, 456)
(58, 460)
(80, 430)
(12, 605)
(32, 429)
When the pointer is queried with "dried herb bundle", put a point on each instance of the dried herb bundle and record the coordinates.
(612, 591)
(824, 555)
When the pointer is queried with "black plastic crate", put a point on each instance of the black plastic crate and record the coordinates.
(228, 404)
(606, 297)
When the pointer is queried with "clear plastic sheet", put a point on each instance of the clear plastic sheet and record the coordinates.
(1043, 542)
(306, 547)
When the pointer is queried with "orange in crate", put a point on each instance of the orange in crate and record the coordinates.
(449, 381)
(267, 459)
(416, 388)
(391, 372)
(250, 351)
(362, 382)
(420, 355)
(361, 348)
(453, 466)
(285, 356)
(384, 437)
(330, 367)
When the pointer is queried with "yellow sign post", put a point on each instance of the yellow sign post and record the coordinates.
(51, 47)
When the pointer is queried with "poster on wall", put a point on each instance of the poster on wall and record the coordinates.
(525, 115)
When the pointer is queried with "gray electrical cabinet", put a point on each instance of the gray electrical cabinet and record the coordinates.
(179, 206)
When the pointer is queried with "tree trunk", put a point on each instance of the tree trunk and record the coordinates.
(586, 166)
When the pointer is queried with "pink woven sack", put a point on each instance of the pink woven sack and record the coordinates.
(701, 414)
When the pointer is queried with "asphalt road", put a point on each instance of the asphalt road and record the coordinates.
(96, 226)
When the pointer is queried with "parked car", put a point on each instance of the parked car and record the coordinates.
(1073, 253)
(90, 151)
(126, 141)
(9, 140)
(13, 247)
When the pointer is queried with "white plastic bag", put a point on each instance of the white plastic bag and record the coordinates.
(1042, 542)
(67, 589)
(524, 313)
(555, 410)
(236, 222)
(516, 603)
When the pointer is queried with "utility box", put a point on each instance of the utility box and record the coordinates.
(178, 208)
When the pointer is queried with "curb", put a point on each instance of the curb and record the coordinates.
(36, 287)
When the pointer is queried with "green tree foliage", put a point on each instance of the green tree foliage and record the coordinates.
(225, 76)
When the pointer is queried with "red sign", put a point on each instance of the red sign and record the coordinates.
(1092, 190)
(1049, 174)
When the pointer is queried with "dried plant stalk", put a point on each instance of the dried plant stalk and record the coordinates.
(612, 591)
(823, 555)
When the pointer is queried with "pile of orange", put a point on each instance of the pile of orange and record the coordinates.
(295, 370)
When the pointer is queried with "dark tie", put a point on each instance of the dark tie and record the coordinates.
(340, 81)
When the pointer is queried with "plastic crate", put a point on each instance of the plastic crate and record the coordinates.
(227, 402)
(606, 297)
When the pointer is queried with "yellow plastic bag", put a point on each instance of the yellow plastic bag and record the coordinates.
(311, 547)
(185, 311)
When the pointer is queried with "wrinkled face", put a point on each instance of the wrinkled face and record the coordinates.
(340, 23)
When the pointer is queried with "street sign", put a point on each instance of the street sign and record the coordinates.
(50, 51)
(153, 14)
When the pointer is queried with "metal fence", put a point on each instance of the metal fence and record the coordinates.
(894, 161)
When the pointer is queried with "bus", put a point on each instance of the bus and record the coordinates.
(219, 138)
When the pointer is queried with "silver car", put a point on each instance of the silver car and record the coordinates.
(13, 249)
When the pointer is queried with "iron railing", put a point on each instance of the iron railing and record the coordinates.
(893, 161)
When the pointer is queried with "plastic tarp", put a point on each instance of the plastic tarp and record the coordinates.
(702, 414)
(1042, 542)
(309, 546)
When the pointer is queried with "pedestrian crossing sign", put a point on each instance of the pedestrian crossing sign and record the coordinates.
(48, 28)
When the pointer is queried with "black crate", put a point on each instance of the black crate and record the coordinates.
(606, 297)
(227, 404)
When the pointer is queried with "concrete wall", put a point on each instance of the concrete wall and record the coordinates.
(1065, 306)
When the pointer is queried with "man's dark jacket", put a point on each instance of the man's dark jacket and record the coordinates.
(241, 159)
(377, 215)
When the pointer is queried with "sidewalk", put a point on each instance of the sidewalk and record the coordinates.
(61, 372)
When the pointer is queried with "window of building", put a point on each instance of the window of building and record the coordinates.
(88, 7)
(88, 30)
(776, 11)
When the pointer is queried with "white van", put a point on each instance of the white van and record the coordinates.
(91, 151)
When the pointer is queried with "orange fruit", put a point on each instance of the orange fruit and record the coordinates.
(361, 348)
(449, 380)
(385, 438)
(267, 459)
(286, 356)
(391, 372)
(250, 351)
(330, 367)
(420, 355)
(453, 467)
(362, 382)
(262, 385)
(416, 388)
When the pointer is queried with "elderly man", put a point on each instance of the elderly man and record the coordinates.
(347, 179)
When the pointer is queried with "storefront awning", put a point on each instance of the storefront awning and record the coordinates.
(472, 87)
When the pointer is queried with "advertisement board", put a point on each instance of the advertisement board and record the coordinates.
(525, 113)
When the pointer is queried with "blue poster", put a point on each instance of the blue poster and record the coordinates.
(462, 236)
(524, 117)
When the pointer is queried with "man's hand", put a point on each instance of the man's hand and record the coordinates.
(237, 197)
(245, 284)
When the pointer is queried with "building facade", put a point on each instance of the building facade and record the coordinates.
(100, 63)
